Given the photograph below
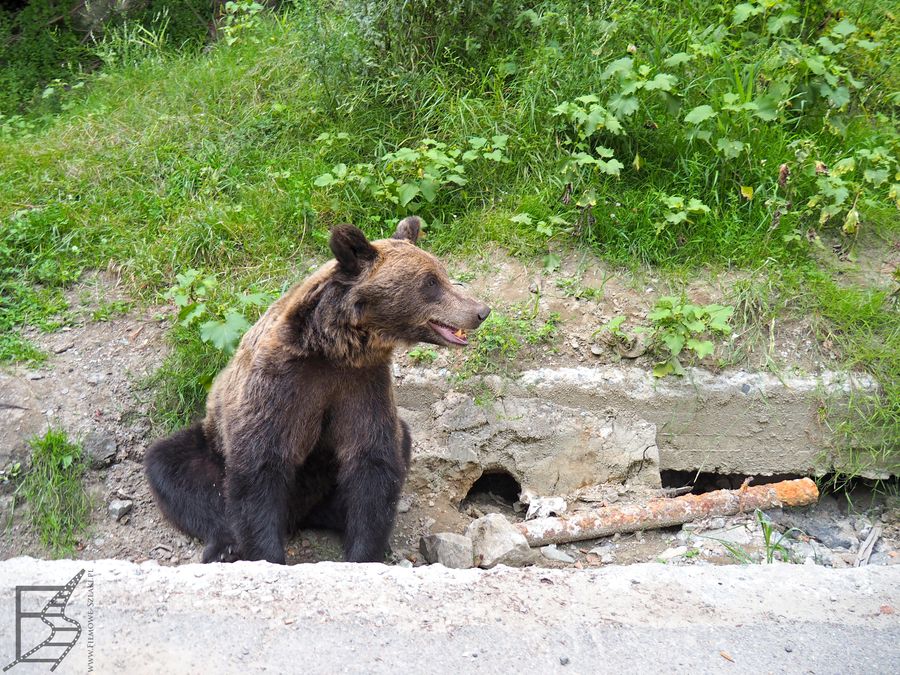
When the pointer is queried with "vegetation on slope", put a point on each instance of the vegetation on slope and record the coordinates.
(755, 135)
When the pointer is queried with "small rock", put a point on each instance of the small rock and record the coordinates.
(716, 523)
(403, 562)
(543, 507)
(607, 558)
(448, 549)
(671, 553)
(95, 378)
(66, 346)
(35, 376)
(574, 343)
(404, 504)
(563, 660)
(596, 350)
(496, 541)
(100, 449)
(120, 507)
(550, 552)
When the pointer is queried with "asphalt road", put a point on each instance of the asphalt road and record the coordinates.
(340, 618)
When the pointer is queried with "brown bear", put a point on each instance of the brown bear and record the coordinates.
(301, 427)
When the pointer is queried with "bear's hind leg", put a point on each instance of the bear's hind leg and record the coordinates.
(186, 477)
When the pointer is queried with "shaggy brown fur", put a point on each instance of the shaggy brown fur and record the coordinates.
(301, 426)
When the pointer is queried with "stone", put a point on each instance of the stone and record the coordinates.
(20, 419)
(448, 549)
(543, 507)
(496, 541)
(100, 449)
(404, 504)
(118, 508)
(672, 553)
(550, 552)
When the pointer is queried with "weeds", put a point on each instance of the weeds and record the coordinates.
(661, 133)
(53, 489)
(501, 337)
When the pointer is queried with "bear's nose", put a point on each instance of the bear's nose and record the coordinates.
(483, 312)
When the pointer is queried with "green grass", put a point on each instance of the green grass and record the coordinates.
(59, 507)
(171, 159)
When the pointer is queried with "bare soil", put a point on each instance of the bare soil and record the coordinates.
(93, 383)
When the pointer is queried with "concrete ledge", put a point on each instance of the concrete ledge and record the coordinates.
(337, 617)
(737, 422)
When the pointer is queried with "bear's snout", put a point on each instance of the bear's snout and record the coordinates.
(482, 312)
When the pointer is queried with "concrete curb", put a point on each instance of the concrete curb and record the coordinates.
(338, 617)
(737, 422)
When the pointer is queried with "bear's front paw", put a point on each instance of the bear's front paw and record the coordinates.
(220, 551)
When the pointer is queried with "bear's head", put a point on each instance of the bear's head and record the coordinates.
(400, 293)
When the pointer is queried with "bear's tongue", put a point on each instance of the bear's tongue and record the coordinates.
(457, 337)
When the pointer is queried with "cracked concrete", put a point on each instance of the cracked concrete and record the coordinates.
(616, 423)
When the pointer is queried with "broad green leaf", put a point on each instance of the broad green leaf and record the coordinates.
(876, 176)
(678, 58)
(662, 82)
(744, 11)
(624, 106)
(729, 148)
(613, 167)
(776, 24)
(224, 335)
(191, 312)
(523, 218)
(694, 205)
(477, 142)
(495, 155)
(747, 192)
(551, 262)
(700, 114)
(407, 193)
(623, 66)
(324, 180)
(428, 187)
(843, 28)
(544, 228)
(663, 369)
(851, 223)
(702, 348)
(499, 140)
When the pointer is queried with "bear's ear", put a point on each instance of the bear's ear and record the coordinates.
(409, 228)
(351, 249)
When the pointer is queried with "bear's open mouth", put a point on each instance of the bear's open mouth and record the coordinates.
(450, 334)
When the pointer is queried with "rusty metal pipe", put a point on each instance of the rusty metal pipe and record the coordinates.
(658, 513)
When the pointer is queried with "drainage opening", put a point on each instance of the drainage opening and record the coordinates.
(495, 488)
(701, 482)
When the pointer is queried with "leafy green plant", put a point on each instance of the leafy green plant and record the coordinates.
(53, 488)
(573, 288)
(193, 295)
(407, 176)
(676, 326)
(420, 355)
(681, 211)
(240, 19)
(501, 337)
(10, 473)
